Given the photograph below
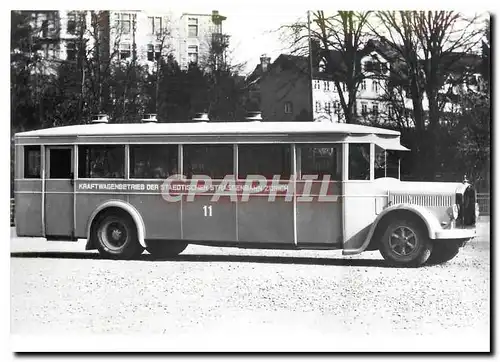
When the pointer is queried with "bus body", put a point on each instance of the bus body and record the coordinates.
(289, 185)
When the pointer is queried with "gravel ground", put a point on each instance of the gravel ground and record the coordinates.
(223, 292)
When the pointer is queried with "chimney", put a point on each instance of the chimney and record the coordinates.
(264, 62)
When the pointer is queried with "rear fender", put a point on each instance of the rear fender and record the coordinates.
(128, 208)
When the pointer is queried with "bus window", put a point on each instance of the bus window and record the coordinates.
(101, 161)
(153, 161)
(60, 163)
(215, 161)
(359, 161)
(265, 160)
(32, 157)
(386, 163)
(320, 160)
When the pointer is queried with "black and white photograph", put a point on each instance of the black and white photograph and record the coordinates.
(250, 177)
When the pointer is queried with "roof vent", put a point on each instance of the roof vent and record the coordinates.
(100, 118)
(149, 118)
(255, 116)
(201, 117)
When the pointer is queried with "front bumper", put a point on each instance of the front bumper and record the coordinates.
(465, 233)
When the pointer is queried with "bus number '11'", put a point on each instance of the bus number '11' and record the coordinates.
(207, 210)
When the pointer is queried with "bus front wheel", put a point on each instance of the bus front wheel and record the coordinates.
(405, 244)
(115, 236)
(165, 248)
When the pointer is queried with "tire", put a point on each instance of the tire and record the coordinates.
(115, 236)
(443, 252)
(405, 243)
(165, 248)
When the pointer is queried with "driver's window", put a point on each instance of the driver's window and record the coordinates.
(386, 163)
(359, 161)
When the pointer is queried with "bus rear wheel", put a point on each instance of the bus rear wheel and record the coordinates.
(115, 236)
(443, 252)
(405, 244)
(165, 248)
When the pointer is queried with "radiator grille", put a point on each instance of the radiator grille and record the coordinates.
(423, 200)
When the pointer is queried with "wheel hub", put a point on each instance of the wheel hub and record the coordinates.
(403, 241)
(116, 234)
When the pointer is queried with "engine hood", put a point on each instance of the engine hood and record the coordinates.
(427, 188)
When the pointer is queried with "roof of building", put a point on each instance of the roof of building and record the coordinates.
(206, 128)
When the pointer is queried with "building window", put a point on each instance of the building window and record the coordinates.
(317, 84)
(124, 23)
(326, 85)
(125, 51)
(375, 109)
(71, 26)
(192, 27)
(154, 52)
(70, 51)
(288, 107)
(336, 107)
(375, 86)
(364, 108)
(322, 66)
(318, 107)
(45, 28)
(363, 85)
(155, 25)
(49, 51)
(193, 54)
(328, 107)
(390, 111)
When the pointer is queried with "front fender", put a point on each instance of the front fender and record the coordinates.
(125, 206)
(431, 222)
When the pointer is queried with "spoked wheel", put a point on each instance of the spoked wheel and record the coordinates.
(443, 251)
(165, 248)
(116, 237)
(405, 244)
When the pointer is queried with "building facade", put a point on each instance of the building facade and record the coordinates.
(122, 35)
(282, 89)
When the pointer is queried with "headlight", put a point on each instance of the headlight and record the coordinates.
(454, 212)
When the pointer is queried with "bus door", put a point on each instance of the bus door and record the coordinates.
(319, 194)
(59, 192)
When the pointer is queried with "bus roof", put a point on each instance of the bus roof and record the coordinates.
(207, 128)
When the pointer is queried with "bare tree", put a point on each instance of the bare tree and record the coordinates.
(429, 44)
(341, 37)
(163, 40)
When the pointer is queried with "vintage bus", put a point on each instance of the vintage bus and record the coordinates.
(250, 184)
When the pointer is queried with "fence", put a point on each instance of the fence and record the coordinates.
(484, 204)
(12, 213)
